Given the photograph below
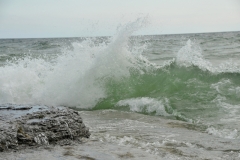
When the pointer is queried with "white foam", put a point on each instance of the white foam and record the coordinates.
(75, 78)
(225, 133)
(147, 146)
(144, 104)
(226, 87)
(228, 66)
(191, 55)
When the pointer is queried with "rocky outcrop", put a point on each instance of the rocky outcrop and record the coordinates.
(22, 126)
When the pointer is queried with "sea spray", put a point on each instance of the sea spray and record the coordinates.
(191, 54)
(146, 105)
(75, 78)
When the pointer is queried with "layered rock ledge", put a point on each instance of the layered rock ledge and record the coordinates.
(24, 126)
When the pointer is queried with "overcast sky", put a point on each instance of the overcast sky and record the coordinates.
(77, 18)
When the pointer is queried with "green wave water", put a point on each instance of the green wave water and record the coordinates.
(188, 90)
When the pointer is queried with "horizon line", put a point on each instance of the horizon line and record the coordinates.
(130, 36)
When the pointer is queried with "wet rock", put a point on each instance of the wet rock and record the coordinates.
(35, 126)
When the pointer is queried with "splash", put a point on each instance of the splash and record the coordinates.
(191, 55)
(225, 133)
(76, 77)
(145, 104)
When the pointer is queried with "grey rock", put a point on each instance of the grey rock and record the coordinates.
(21, 127)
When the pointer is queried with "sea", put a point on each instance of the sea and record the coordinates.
(142, 96)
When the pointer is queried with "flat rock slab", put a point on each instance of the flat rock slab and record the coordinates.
(24, 126)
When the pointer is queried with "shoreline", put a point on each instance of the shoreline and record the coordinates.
(128, 135)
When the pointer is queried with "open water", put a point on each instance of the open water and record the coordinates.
(191, 79)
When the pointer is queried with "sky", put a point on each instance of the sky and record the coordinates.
(84, 18)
